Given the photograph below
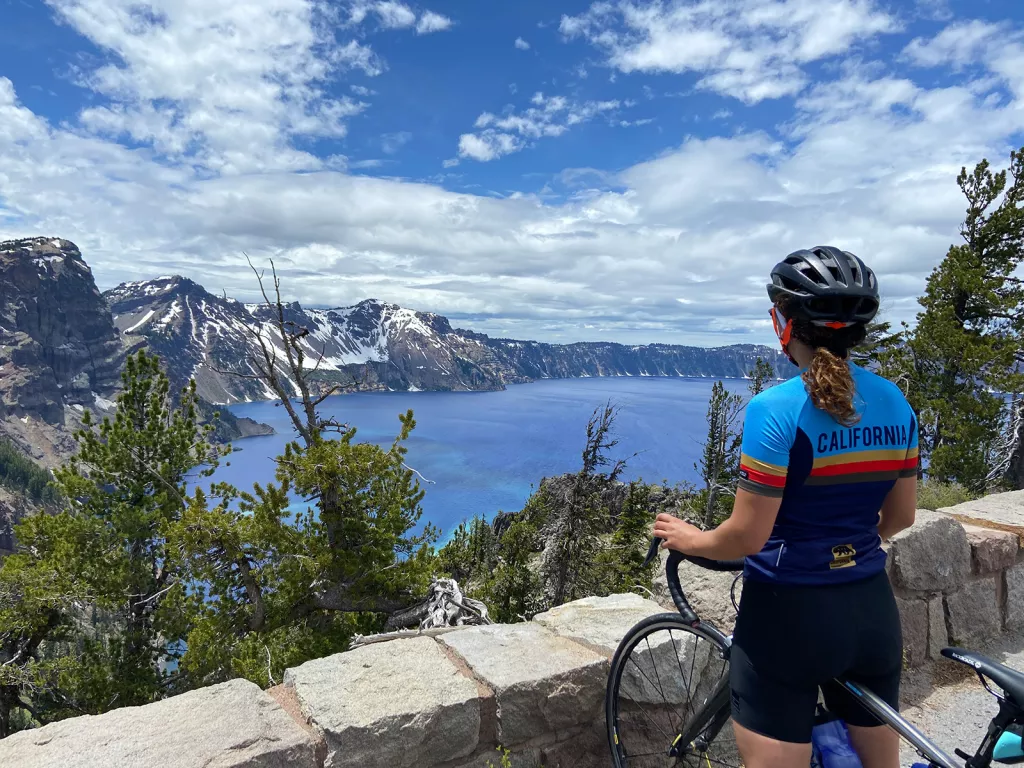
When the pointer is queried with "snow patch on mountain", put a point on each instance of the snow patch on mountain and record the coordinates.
(374, 345)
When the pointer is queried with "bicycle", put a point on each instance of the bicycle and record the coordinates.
(694, 731)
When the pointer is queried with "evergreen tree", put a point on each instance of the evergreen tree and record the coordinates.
(719, 462)
(577, 516)
(623, 560)
(286, 583)
(106, 553)
(966, 349)
(515, 591)
(879, 339)
(760, 377)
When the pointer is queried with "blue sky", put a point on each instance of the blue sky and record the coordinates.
(625, 170)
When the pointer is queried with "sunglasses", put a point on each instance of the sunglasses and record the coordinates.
(783, 327)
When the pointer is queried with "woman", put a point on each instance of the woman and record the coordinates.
(828, 470)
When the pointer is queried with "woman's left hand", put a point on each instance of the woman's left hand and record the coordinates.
(677, 534)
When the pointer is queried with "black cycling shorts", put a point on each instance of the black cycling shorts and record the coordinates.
(792, 640)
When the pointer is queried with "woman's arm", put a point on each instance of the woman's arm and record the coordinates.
(898, 509)
(744, 533)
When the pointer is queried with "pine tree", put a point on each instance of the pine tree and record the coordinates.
(286, 585)
(577, 516)
(719, 462)
(967, 346)
(760, 377)
(105, 553)
(623, 559)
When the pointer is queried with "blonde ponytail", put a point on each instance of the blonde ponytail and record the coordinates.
(830, 386)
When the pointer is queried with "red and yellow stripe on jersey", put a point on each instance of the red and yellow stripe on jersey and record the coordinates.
(763, 478)
(864, 466)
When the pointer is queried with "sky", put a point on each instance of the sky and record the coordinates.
(623, 170)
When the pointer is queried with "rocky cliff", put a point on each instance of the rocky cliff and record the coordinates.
(59, 350)
(377, 346)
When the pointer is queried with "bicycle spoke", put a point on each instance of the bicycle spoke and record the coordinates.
(644, 712)
(651, 706)
(654, 664)
(689, 699)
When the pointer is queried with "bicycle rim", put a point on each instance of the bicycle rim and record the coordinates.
(667, 702)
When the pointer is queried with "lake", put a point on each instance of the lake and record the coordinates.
(485, 451)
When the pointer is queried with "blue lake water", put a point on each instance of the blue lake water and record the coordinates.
(486, 451)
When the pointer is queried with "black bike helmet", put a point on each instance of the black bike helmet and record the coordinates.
(826, 286)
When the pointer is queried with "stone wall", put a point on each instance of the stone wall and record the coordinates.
(959, 575)
(536, 688)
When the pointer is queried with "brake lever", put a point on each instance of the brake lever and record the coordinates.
(653, 551)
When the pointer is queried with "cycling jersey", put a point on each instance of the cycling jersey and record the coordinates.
(832, 479)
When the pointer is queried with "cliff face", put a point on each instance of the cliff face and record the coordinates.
(59, 350)
(378, 346)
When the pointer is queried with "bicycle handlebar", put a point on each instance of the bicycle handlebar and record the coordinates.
(672, 573)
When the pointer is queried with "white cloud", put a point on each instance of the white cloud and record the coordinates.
(548, 116)
(355, 55)
(362, 90)
(958, 44)
(935, 10)
(521, 44)
(866, 160)
(224, 85)
(999, 47)
(390, 143)
(432, 22)
(394, 15)
(749, 49)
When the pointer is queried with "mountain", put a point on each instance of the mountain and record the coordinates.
(379, 346)
(60, 352)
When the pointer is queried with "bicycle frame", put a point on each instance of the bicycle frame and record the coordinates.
(890, 717)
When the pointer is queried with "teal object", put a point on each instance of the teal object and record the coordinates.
(1009, 748)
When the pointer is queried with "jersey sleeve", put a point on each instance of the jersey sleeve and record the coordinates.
(767, 439)
(909, 468)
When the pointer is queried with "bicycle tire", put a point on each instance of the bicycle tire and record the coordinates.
(706, 717)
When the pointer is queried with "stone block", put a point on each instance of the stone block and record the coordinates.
(231, 725)
(586, 749)
(524, 758)
(673, 668)
(932, 555)
(398, 703)
(707, 591)
(991, 550)
(599, 622)
(1014, 619)
(542, 682)
(938, 634)
(998, 510)
(914, 622)
(973, 612)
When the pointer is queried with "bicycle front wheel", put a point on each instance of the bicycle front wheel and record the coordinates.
(667, 702)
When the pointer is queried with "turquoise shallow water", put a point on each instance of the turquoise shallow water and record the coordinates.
(485, 451)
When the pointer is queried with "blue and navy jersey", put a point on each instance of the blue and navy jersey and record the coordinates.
(832, 479)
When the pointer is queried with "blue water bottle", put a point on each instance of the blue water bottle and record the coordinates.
(831, 748)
